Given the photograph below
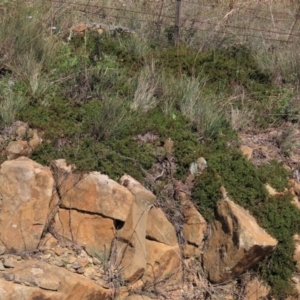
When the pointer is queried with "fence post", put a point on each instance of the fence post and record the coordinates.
(177, 21)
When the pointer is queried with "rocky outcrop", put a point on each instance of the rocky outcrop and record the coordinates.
(236, 243)
(163, 261)
(26, 189)
(130, 249)
(33, 279)
(22, 140)
(95, 193)
(193, 230)
(85, 236)
(159, 228)
(255, 289)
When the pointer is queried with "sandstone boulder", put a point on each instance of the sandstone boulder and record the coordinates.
(26, 190)
(96, 193)
(92, 231)
(32, 280)
(17, 148)
(163, 262)
(23, 140)
(194, 227)
(130, 253)
(255, 289)
(236, 243)
(159, 228)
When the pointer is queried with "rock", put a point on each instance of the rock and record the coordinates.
(272, 191)
(35, 141)
(16, 149)
(194, 227)
(8, 262)
(247, 151)
(26, 190)
(96, 193)
(38, 280)
(1, 266)
(159, 228)
(2, 250)
(191, 251)
(96, 261)
(61, 170)
(89, 230)
(56, 262)
(256, 290)
(76, 265)
(48, 242)
(137, 297)
(130, 246)
(59, 251)
(80, 270)
(21, 130)
(237, 243)
(163, 262)
(197, 167)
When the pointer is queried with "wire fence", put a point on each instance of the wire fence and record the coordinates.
(245, 22)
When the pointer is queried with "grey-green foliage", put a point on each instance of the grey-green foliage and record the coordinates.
(11, 102)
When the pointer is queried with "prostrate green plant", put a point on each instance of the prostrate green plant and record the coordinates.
(245, 185)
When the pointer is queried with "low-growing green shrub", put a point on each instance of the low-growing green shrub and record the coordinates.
(245, 185)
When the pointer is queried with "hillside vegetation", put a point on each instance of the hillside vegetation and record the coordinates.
(109, 102)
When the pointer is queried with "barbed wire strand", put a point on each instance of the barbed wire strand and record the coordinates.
(240, 27)
(112, 8)
(235, 7)
(126, 18)
(283, 33)
(247, 35)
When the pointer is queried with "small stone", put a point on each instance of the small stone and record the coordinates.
(89, 272)
(8, 276)
(80, 270)
(57, 263)
(71, 259)
(69, 268)
(49, 251)
(96, 261)
(59, 251)
(76, 265)
(103, 283)
(83, 262)
(48, 283)
(1, 266)
(8, 262)
(2, 250)
(45, 256)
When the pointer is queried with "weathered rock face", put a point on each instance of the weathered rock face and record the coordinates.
(255, 289)
(17, 148)
(130, 247)
(25, 192)
(96, 193)
(194, 227)
(92, 231)
(32, 279)
(159, 228)
(23, 140)
(236, 243)
(163, 261)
